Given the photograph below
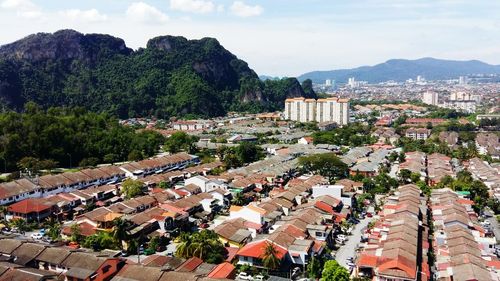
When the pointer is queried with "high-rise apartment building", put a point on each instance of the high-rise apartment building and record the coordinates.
(431, 98)
(320, 110)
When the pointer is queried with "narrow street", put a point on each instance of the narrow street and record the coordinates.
(494, 224)
(349, 249)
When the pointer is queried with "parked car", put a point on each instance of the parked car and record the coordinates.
(36, 236)
(487, 222)
(124, 253)
(369, 215)
(244, 276)
(342, 237)
(258, 278)
(47, 239)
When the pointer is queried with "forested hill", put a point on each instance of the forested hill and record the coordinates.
(172, 76)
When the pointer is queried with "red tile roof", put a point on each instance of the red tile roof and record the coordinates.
(190, 265)
(231, 253)
(86, 229)
(367, 261)
(324, 207)
(32, 205)
(223, 271)
(256, 249)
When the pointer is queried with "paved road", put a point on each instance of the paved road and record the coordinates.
(349, 249)
(494, 224)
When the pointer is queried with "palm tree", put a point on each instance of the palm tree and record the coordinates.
(120, 228)
(4, 210)
(270, 258)
(21, 224)
(239, 199)
(184, 249)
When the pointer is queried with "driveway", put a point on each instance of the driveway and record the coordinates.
(349, 249)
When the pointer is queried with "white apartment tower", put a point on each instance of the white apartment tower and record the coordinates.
(431, 98)
(321, 110)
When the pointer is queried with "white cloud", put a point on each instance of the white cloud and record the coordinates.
(240, 9)
(24, 8)
(220, 8)
(193, 6)
(140, 11)
(91, 15)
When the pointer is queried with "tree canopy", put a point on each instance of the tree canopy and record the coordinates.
(39, 139)
(332, 270)
(326, 164)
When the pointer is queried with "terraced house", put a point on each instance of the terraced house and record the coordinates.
(396, 248)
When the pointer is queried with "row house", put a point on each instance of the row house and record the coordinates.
(438, 166)
(396, 247)
(48, 185)
(158, 165)
(206, 184)
(415, 162)
(291, 239)
(40, 260)
(460, 247)
(237, 232)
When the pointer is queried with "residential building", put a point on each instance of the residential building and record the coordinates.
(418, 133)
(321, 110)
(430, 98)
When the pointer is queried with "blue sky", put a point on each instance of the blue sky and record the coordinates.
(281, 37)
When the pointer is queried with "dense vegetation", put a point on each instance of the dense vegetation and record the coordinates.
(237, 156)
(204, 244)
(70, 137)
(325, 164)
(355, 134)
(173, 76)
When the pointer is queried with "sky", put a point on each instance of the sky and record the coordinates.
(281, 37)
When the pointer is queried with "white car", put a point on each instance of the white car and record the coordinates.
(36, 236)
(342, 237)
(244, 276)
(258, 278)
(487, 222)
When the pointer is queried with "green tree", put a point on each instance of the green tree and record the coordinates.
(333, 271)
(204, 245)
(76, 233)
(326, 164)
(132, 188)
(404, 176)
(21, 224)
(248, 152)
(180, 141)
(314, 268)
(270, 257)
(239, 199)
(3, 211)
(120, 231)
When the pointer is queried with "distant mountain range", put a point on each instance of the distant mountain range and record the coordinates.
(402, 70)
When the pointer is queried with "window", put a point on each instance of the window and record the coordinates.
(245, 258)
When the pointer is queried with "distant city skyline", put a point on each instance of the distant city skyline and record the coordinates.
(281, 37)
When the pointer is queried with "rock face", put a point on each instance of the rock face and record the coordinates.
(172, 76)
(62, 45)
